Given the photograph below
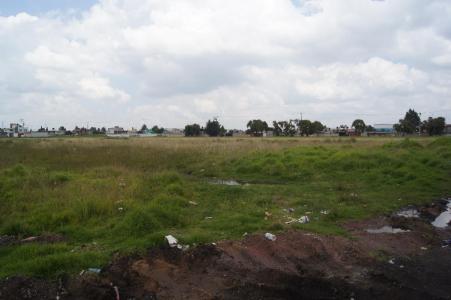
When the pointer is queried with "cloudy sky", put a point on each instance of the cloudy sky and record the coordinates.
(170, 63)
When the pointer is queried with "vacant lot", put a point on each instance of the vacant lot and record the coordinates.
(94, 197)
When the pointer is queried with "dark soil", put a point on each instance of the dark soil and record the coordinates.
(298, 265)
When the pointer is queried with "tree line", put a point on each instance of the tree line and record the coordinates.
(410, 124)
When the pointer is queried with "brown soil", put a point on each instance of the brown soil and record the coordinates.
(298, 265)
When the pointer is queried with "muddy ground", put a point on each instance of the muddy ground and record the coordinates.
(414, 264)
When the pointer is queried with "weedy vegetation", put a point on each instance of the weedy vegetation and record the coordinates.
(107, 197)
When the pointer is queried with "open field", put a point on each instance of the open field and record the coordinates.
(103, 196)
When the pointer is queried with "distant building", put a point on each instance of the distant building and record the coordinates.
(17, 130)
(174, 132)
(382, 129)
(116, 130)
(447, 130)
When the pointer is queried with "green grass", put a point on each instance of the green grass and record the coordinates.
(123, 196)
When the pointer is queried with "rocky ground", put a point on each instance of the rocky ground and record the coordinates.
(412, 264)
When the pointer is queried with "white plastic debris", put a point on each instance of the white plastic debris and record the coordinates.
(391, 261)
(324, 212)
(193, 203)
(172, 241)
(270, 236)
(304, 220)
(424, 248)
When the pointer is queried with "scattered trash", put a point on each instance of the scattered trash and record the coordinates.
(208, 218)
(444, 218)
(116, 290)
(267, 215)
(324, 212)
(245, 234)
(94, 270)
(225, 182)
(391, 261)
(401, 266)
(408, 212)
(172, 241)
(29, 239)
(270, 236)
(193, 203)
(304, 220)
(386, 229)
(291, 221)
(423, 248)
(121, 209)
(183, 247)
(446, 243)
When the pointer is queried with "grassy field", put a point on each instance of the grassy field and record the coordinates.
(120, 196)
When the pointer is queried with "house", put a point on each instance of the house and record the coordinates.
(117, 132)
(17, 130)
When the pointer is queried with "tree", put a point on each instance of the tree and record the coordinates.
(318, 127)
(214, 128)
(277, 130)
(157, 130)
(62, 128)
(410, 124)
(305, 127)
(257, 127)
(192, 130)
(369, 128)
(434, 126)
(284, 128)
(143, 128)
(359, 125)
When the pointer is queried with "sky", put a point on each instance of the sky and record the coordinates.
(171, 63)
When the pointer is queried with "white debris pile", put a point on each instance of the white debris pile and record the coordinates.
(270, 236)
(301, 220)
(173, 242)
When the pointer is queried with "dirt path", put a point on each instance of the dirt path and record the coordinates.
(412, 264)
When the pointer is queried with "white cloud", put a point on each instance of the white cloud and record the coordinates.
(177, 62)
